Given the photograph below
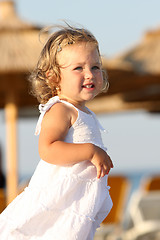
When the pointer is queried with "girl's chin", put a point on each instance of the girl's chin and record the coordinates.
(89, 98)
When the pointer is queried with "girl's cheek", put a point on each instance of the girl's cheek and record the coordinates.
(100, 80)
(100, 86)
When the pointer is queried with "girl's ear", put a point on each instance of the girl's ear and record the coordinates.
(51, 76)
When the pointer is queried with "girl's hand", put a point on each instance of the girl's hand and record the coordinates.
(101, 160)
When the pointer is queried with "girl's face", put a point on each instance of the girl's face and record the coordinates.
(81, 74)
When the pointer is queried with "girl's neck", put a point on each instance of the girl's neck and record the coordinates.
(80, 105)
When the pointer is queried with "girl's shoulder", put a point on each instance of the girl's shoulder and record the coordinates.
(61, 112)
(56, 112)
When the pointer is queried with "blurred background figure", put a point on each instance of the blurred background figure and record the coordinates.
(2, 185)
(2, 177)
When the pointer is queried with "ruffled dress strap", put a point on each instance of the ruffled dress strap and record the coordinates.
(43, 108)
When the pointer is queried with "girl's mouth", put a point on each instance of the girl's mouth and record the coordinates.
(88, 86)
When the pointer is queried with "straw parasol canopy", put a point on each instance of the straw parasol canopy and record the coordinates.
(143, 58)
(134, 78)
(19, 51)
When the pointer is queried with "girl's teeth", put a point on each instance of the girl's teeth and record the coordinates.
(88, 86)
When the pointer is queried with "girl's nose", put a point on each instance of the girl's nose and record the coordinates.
(88, 74)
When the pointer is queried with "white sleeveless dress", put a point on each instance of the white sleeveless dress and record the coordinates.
(61, 203)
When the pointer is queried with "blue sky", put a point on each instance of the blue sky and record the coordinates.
(133, 137)
(117, 24)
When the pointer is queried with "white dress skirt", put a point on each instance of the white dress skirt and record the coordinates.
(61, 203)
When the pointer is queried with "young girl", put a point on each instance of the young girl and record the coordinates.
(67, 197)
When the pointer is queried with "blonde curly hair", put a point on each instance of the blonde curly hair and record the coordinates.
(45, 78)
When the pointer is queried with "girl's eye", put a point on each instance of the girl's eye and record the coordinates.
(95, 67)
(78, 68)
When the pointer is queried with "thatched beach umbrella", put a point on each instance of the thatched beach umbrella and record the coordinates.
(143, 58)
(19, 51)
(134, 78)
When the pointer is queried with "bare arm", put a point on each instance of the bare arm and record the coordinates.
(53, 149)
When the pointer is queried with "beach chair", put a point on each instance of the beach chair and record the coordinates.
(119, 192)
(151, 183)
(2, 200)
(144, 216)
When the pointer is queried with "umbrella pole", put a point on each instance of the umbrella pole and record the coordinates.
(11, 112)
